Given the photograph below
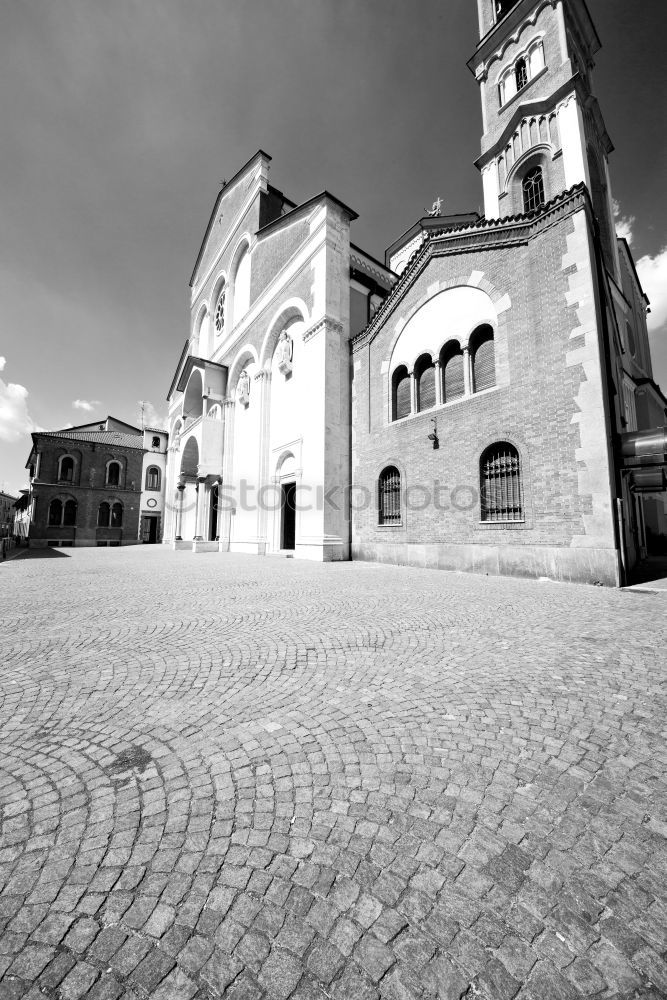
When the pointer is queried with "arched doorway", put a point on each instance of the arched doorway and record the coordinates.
(188, 495)
(213, 505)
(287, 476)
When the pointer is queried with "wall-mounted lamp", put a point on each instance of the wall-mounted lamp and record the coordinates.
(434, 436)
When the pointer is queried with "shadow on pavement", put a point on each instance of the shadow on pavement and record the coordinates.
(651, 570)
(47, 553)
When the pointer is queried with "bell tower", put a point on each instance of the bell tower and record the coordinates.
(543, 130)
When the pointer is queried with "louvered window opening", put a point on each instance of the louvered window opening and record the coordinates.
(533, 190)
(402, 407)
(454, 382)
(484, 365)
(427, 388)
(500, 485)
(389, 499)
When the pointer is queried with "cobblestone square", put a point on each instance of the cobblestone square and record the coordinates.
(226, 776)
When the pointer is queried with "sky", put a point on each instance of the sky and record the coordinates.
(120, 118)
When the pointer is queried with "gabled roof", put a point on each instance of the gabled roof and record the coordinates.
(221, 193)
(303, 209)
(113, 438)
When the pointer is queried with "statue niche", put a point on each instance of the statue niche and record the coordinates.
(284, 352)
(243, 388)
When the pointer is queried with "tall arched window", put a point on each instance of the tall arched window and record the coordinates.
(389, 496)
(55, 513)
(533, 190)
(500, 483)
(113, 474)
(103, 515)
(69, 513)
(117, 515)
(453, 380)
(152, 478)
(483, 359)
(425, 376)
(400, 395)
(66, 469)
(241, 301)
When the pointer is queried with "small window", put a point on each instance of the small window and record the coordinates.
(483, 359)
(425, 375)
(103, 515)
(69, 513)
(453, 379)
(401, 394)
(521, 74)
(533, 190)
(155, 442)
(113, 474)
(500, 484)
(117, 515)
(389, 496)
(153, 478)
(55, 513)
(66, 473)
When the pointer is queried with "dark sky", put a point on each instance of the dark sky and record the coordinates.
(121, 117)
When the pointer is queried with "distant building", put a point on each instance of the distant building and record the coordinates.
(97, 484)
(7, 502)
(22, 516)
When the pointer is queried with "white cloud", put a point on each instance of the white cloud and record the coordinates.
(3, 362)
(152, 418)
(85, 404)
(624, 223)
(652, 273)
(15, 421)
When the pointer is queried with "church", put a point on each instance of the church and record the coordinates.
(482, 400)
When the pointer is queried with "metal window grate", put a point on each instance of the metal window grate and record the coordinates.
(427, 388)
(533, 190)
(402, 404)
(454, 383)
(389, 496)
(484, 364)
(500, 484)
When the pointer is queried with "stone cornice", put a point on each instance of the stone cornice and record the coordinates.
(325, 323)
(489, 234)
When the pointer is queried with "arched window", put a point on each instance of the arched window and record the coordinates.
(241, 301)
(117, 515)
(69, 513)
(66, 469)
(152, 478)
(425, 376)
(400, 395)
(453, 380)
(113, 474)
(521, 74)
(483, 359)
(103, 515)
(500, 483)
(219, 314)
(55, 513)
(533, 190)
(389, 496)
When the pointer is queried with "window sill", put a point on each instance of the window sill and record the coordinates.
(383, 527)
(502, 524)
(443, 406)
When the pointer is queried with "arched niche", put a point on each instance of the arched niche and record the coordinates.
(193, 401)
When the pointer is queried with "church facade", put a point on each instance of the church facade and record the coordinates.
(481, 401)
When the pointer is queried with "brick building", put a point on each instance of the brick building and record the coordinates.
(484, 400)
(7, 502)
(96, 484)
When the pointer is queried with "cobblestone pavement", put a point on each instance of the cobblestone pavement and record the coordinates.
(223, 776)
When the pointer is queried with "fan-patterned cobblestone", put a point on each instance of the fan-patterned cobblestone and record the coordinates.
(223, 776)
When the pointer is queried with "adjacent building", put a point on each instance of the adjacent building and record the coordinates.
(7, 502)
(97, 484)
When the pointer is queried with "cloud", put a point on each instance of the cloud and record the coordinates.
(152, 418)
(652, 273)
(85, 404)
(624, 223)
(3, 362)
(15, 421)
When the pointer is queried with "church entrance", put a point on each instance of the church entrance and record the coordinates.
(213, 513)
(150, 524)
(288, 516)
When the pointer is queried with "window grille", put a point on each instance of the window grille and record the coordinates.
(117, 515)
(402, 394)
(426, 388)
(69, 513)
(113, 474)
(533, 190)
(453, 377)
(500, 483)
(389, 496)
(220, 312)
(484, 362)
(55, 513)
(521, 73)
(103, 515)
(152, 478)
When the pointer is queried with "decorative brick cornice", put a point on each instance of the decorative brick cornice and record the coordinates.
(326, 323)
(487, 234)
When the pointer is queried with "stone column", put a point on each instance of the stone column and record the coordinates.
(413, 391)
(438, 383)
(467, 372)
(263, 380)
(218, 513)
(225, 518)
(180, 489)
(200, 508)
